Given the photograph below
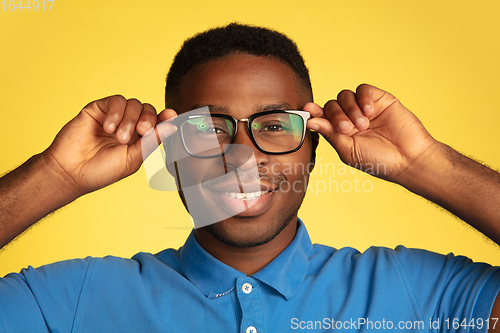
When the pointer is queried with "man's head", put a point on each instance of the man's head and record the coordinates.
(235, 38)
(241, 70)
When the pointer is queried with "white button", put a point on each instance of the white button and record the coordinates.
(247, 289)
(251, 329)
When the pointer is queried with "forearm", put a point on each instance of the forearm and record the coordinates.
(27, 194)
(461, 185)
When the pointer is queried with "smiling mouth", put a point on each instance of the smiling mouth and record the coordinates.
(245, 196)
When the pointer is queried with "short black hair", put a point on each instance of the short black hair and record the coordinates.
(235, 38)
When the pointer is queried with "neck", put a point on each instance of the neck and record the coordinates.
(248, 260)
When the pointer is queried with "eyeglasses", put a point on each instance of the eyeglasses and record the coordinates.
(272, 132)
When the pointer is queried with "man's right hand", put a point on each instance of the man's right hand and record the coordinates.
(102, 144)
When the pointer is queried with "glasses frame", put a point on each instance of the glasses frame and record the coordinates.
(179, 121)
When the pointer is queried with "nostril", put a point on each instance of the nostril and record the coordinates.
(244, 157)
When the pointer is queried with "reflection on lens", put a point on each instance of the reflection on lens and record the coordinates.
(202, 126)
(278, 132)
(204, 135)
(196, 121)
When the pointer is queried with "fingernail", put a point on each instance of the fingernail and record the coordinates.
(344, 125)
(125, 135)
(367, 109)
(110, 127)
(360, 122)
(314, 127)
(165, 132)
(146, 125)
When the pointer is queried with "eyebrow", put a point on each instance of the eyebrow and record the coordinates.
(222, 109)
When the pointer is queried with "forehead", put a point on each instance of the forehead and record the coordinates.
(240, 85)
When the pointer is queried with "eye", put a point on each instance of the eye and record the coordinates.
(215, 130)
(275, 126)
(210, 129)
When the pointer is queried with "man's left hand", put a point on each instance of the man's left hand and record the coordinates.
(372, 131)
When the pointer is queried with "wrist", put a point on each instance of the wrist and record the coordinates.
(55, 179)
(427, 173)
(27, 194)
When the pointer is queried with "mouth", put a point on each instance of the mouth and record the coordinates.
(241, 195)
(246, 196)
(246, 204)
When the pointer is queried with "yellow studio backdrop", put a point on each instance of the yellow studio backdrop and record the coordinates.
(439, 58)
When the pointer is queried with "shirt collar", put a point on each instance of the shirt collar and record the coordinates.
(208, 274)
(284, 274)
(287, 271)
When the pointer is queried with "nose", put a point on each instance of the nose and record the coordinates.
(242, 150)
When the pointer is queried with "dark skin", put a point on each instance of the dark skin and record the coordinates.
(367, 127)
(242, 85)
(102, 144)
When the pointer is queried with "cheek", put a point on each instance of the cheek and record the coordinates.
(192, 170)
(295, 171)
(187, 169)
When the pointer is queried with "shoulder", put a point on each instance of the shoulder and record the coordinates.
(401, 260)
(113, 267)
(380, 253)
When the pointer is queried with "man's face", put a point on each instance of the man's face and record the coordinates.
(241, 85)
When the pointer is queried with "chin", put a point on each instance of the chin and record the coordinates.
(247, 232)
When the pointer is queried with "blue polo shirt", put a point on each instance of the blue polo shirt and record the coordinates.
(306, 288)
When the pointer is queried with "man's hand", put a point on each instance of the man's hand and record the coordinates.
(372, 131)
(102, 144)
(371, 126)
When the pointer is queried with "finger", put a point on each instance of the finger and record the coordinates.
(339, 119)
(314, 109)
(167, 114)
(154, 137)
(147, 119)
(347, 101)
(164, 130)
(373, 100)
(341, 142)
(126, 127)
(113, 107)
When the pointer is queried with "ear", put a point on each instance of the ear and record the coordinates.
(169, 161)
(169, 158)
(314, 145)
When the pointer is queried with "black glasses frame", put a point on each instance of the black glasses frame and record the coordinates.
(181, 119)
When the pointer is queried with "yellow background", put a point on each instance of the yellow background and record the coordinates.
(441, 58)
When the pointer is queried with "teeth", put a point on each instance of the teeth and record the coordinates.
(246, 196)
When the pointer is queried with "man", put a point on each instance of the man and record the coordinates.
(256, 270)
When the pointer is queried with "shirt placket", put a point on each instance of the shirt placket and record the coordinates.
(252, 320)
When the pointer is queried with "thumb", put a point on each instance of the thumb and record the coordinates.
(154, 137)
(342, 143)
(140, 150)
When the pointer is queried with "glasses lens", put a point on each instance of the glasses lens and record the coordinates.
(278, 132)
(205, 135)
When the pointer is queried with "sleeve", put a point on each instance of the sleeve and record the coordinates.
(450, 292)
(42, 299)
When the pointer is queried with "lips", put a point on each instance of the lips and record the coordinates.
(241, 194)
(246, 196)
(243, 204)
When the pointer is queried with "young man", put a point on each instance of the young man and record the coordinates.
(255, 270)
